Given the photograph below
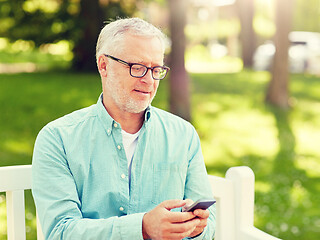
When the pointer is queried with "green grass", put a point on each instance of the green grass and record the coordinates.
(234, 124)
(282, 147)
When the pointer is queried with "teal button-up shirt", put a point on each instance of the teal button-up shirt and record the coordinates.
(80, 174)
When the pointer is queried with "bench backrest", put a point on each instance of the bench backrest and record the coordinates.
(234, 195)
(14, 180)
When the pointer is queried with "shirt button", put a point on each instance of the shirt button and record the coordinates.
(108, 131)
(119, 147)
(115, 125)
(123, 175)
(121, 208)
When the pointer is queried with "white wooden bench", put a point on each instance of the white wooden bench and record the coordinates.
(234, 195)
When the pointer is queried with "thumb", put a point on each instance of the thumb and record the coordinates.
(175, 203)
(189, 202)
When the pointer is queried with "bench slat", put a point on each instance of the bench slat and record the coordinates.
(222, 189)
(16, 215)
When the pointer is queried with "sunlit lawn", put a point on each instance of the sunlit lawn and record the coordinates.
(235, 127)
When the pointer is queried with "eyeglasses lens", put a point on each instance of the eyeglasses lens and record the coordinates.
(138, 70)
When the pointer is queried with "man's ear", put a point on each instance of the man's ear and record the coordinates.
(102, 65)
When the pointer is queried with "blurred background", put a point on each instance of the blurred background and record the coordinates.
(246, 73)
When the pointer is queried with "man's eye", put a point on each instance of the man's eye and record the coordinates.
(137, 68)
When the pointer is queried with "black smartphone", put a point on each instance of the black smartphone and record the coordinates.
(200, 204)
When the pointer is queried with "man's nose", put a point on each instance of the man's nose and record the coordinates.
(148, 77)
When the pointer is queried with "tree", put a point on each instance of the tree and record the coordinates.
(278, 92)
(247, 34)
(90, 22)
(76, 21)
(179, 79)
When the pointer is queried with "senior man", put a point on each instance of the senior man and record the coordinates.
(121, 168)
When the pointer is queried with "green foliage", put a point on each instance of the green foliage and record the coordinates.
(22, 56)
(306, 15)
(38, 21)
(50, 21)
(264, 27)
(235, 127)
(212, 31)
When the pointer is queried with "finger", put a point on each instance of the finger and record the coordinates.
(200, 227)
(178, 236)
(203, 223)
(174, 203)
(179, 230)
(201, 213)
(182, 235)
(185, 226)
(179, 217)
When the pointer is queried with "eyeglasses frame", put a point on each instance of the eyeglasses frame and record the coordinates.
(131, 64)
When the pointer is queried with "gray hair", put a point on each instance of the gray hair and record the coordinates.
(113, 32)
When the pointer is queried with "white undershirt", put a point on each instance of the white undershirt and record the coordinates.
(129, 143)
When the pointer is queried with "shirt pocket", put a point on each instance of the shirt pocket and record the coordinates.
(169, 182)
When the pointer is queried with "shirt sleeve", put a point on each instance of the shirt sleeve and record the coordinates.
(198, 185)
(57, 201)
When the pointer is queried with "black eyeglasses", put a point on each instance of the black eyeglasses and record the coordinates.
(139, 70)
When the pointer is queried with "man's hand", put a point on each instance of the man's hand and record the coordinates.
(160, 223)
(202, 215)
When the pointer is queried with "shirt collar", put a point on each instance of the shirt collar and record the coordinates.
(108, 122)
(147, 114)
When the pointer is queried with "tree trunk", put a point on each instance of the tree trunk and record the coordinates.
(91, 21)
(179, 79)
(278, 93)
(247, 34)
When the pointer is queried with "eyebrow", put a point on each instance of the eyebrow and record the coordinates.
(144, 63)
(135, 61)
